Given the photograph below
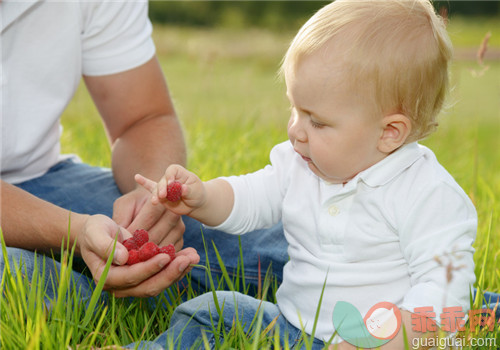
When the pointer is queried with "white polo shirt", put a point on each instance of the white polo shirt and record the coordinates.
(46, 47)
(373, 239)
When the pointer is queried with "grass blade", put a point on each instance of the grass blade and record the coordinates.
(98, 289)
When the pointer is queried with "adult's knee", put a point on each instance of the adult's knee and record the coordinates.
(16, 258)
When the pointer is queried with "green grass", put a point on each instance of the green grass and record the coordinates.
(233, 110)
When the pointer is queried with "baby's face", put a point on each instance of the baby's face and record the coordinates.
(333, 128)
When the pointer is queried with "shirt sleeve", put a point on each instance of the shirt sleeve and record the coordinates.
(258, 196)
(116, 36)
(436, 241)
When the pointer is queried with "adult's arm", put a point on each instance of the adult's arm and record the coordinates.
(145, 137)
(31, 223)
(140, 120)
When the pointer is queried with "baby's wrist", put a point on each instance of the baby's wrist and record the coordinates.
(204, 208)
(200, 204)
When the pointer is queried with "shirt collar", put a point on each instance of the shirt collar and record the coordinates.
(377, 175)
(391, 166)
(10, 10)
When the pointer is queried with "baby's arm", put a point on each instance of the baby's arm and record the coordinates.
(209, 202)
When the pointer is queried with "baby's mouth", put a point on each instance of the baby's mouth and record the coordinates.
(307, 159)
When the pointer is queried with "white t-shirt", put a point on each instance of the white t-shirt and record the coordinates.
(46, 47)
(373, 239)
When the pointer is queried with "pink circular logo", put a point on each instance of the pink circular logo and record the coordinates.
(383, 320)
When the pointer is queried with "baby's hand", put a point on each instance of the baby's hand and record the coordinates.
(179, 190)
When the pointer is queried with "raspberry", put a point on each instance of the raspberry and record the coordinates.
(148, 250)
(130, 244)
(174, 191)
(141, 237)
(133, 257)
(170, 250)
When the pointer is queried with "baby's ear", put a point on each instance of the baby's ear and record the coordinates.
(395, 131)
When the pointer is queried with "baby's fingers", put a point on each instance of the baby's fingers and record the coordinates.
(162, 188)
(148, 184)
(174, 173)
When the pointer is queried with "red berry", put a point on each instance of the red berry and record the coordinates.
(130, 244)
(133, 257)
(174, 191)
(170, 250)
(141, 237)
(148, 250)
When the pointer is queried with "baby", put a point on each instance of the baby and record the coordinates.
(366, 210)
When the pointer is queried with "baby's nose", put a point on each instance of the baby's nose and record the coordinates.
(296, 130)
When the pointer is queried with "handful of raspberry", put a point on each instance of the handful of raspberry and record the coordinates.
(140, 249)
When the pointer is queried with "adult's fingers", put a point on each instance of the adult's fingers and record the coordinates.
(97, 239)
(158, 282)
(148, 184)
(147, 217)
(124, 209)
(151, 186)
(129, 276)
(168, 231)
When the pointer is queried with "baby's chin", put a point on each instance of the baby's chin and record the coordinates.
(333, 180)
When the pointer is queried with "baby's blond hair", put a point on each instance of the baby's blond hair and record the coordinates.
(398, 49)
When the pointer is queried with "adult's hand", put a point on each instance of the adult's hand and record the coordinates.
(134, 210)
(144, 279)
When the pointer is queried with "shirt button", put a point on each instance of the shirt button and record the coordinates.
(333, 210)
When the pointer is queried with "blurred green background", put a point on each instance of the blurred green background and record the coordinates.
(275, 14)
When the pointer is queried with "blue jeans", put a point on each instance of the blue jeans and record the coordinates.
(198, 315)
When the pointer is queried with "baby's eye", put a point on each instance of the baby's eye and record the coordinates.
(316, 124)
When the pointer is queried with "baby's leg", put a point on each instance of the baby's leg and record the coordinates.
(200, 315)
